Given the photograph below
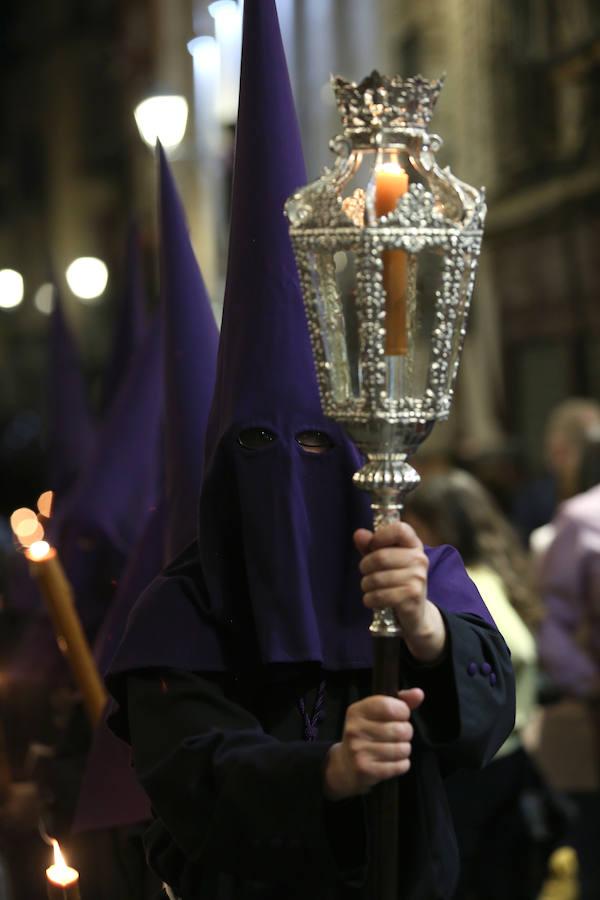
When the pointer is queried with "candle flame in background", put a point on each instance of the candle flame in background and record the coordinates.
(44, 504)
(39, 550)
(59, 860)
(391, 166)
(60, 873)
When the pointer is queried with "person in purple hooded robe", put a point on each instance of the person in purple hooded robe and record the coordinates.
(243, 678)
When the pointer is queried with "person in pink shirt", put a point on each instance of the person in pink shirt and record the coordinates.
(569, 644)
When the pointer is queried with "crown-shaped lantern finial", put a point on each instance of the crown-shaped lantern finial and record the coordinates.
(382, 107)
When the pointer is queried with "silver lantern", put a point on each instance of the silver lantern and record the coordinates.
(387, 244)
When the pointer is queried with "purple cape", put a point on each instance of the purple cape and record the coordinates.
(274, 577)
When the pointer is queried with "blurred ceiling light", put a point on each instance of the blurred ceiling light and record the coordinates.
(228, 32)
(11, 288)
(87, 277)
(207, 72)
(225, 11)
(44, 298)
(205, 52)
(162, 118)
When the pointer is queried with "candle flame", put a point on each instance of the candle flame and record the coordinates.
(59, 860)
(60, 873)
(44, 504)
(391, 166)
(38, 551)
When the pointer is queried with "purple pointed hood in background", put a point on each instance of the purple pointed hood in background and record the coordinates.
(69, 441)
(275, 578)
(69, 428)
(100, 523)
(190, 351)
(131, 319)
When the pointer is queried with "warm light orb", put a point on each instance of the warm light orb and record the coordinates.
(26, 528)
(60, 873)
(87, 277)
(162, 118)
(21, 515)
(38, 550)
(44, 503)
(44, 298)
(11, 288)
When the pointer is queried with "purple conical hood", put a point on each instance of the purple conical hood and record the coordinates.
(274, 578)
(131, 319)
(190, 355)
(70, 432)
(265, 360)
(104, 515)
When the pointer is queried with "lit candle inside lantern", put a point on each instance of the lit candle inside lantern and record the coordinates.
(58, 597)
(391, 182)
(62, 881)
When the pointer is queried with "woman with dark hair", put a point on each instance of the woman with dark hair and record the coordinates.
(498, 857)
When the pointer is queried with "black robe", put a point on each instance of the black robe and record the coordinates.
(237, 789)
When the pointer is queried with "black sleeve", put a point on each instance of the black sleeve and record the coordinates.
(469, 707)
(233, 798)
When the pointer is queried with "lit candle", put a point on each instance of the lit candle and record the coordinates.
(58, 596)
(62, 881)
(391, 182)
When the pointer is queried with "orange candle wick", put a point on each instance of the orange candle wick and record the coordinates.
(391, 183)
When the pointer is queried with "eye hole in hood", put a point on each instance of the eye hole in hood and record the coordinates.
(256, 438)
(314, 441)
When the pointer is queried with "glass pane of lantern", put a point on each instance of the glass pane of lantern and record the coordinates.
(345, 271)
(412, 282)
(331, 324)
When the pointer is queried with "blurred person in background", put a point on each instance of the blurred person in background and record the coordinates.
(564, 437)
(504, 847)
(569, 646)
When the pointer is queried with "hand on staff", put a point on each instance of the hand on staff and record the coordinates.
(376, 744)
(394, 569)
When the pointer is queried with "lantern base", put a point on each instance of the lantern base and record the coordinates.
(388, 477)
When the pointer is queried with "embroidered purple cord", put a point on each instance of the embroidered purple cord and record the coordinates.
(311, 723)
